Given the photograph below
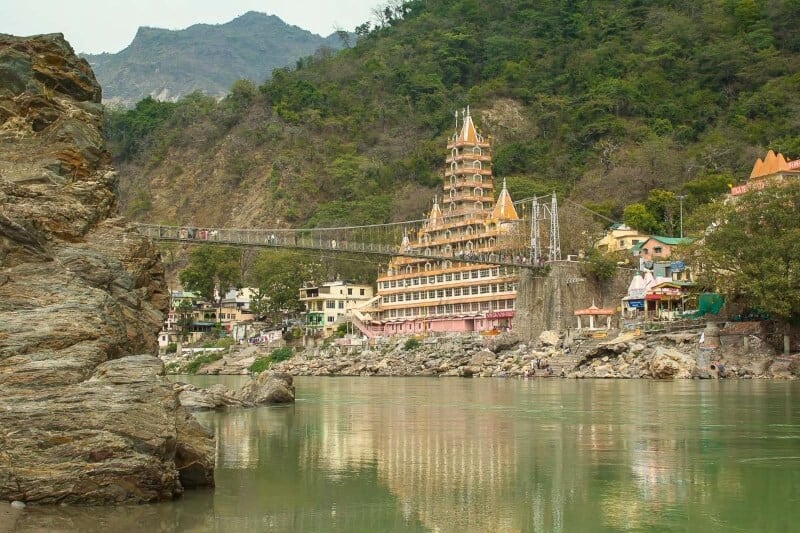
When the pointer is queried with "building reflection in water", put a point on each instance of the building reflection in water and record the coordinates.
(491, 455)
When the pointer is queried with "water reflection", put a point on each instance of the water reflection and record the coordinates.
(491, 455)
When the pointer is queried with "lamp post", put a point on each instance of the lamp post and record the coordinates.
(680, 200)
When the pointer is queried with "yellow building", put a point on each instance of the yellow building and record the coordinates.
(327, 304)
(419, 295)
(620, 237)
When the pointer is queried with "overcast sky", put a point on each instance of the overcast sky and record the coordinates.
(94, 26)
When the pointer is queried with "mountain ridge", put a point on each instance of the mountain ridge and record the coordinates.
(167, 64)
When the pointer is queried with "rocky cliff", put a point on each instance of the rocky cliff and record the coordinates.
(84, 415)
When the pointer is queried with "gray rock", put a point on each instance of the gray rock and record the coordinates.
(668, 363)
(549, 338)
(268, 388)
(84, 415)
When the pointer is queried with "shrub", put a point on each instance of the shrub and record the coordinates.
(172, 347)
(411, 344)
(281, 354)
(276, 356)
(202, 360)
(260, 364)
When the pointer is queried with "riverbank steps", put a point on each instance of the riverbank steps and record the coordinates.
(553, 354)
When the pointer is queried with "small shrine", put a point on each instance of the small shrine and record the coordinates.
(594, 313)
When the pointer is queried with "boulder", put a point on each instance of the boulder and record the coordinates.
(668, 363)
(268, 388)
(482, 358)
(549, 338)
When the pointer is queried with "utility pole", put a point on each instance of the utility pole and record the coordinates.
(680, 200)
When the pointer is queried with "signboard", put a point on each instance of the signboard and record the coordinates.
(500, 314)
(753, 185)
(636, 293)
(677, 266)
(635, 304)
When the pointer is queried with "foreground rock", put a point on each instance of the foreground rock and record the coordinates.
(83, 418)
(267, 388)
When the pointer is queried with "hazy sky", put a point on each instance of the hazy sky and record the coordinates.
(94, 26)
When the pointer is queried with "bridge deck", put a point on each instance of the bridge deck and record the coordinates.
(336, 240)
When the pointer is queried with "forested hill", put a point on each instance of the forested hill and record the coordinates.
(208, 57)
(602, 100)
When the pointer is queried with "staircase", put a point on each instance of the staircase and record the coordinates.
(565, 363)
(356, 317)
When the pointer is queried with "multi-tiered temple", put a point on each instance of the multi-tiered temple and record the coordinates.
(418, 295)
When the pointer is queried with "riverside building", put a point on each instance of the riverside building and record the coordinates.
(420, 295)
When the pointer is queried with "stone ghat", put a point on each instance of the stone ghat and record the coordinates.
(676, 356)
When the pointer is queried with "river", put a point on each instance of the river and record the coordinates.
(549, 455)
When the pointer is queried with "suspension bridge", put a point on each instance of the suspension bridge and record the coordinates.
(523, 243)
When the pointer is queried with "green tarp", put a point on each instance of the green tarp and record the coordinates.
(708, 303)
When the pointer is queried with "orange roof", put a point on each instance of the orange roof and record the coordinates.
(468, 132)
(593, 310)
(504, 208)
(770, 165)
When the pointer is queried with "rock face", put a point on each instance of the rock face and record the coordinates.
(668, 363)
(267, 388)
(83, 417)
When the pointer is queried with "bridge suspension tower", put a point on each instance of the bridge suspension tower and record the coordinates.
(542, 232)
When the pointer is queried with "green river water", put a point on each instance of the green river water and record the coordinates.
(549, 455)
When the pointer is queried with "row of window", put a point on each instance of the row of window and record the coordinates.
(445, 278)
(333, 304)
(450, 309)
(473, 290)
(476, 150)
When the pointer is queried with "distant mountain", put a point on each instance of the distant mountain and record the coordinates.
(168, 64)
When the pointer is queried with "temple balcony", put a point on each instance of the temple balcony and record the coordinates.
(467, 171)
(462, 144)
(469, 183)
(468, 157)
(469, 198)
(445, 285)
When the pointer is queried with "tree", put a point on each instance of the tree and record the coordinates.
(753, 250)
(637, 216)
(210, 268)
(664, 207)
(278, 276)
(185, 318)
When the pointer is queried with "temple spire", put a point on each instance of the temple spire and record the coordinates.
(504, 208)
(468, 132)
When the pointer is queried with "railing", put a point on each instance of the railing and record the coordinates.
(340, 240)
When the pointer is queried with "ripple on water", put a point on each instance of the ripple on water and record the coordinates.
(771, 462)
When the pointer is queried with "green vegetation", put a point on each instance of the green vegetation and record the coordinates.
(751, 251)
(276, 356)
(205, 57)
(599, 266)
(212, 267)
(226, 342)
(411, 344)
(603, 101)
(200, 361)
(172, 347)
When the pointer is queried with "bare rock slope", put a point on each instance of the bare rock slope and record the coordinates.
(84, 415)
